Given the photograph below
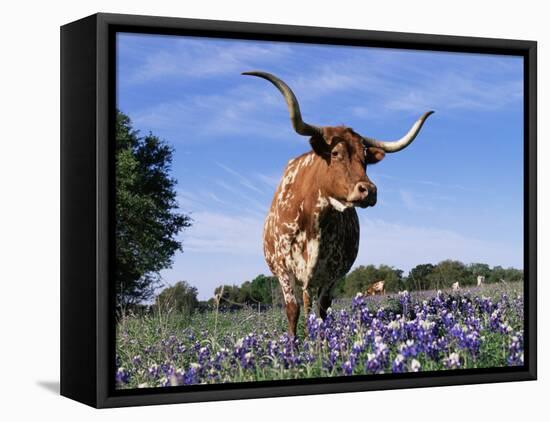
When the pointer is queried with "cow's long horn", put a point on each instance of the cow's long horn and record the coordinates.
(405, 141)
(298, 124)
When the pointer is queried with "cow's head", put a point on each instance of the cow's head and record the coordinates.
(345, 153)
(345, 156)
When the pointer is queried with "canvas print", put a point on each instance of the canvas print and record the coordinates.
(289, 211)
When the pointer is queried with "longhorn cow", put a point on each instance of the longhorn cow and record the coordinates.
(311, 233)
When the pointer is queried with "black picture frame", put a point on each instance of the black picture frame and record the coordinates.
(87, 133)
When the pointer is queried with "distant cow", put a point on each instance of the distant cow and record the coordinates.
(311, 234)
(455, 286)
(376, 288)
(480, 280)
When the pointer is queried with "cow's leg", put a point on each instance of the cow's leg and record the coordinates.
(307, 303)
(291, 305)
(292, 313)
(325, 300)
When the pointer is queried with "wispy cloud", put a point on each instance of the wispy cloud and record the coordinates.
(214, 233)
(446, 186)
(197, 58)
(353, 86)
(209, 117)
(453, 91)
(252, 203)
(399, 81)
(412, 202)
(270, 180)
(244, 181)
(238, 194)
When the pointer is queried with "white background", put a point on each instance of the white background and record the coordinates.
(29, 223)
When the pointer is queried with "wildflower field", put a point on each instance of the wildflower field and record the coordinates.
(406, 332)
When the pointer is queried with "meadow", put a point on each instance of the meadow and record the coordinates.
(477, 327)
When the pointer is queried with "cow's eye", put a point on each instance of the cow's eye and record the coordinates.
(335, 153)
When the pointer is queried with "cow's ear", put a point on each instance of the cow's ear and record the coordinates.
(320, 146)
(374, 155)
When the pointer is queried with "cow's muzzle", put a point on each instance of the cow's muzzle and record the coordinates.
(363, 195)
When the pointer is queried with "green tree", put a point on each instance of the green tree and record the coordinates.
(180, 297)
(478, 268)
(393, 278)
(363, 276)
(419, 277)
(147, 218)
(244, 293)
(228, 295)
(339, 288)
(513, 274)
(447, 272)
(262, 288)
(497, 273)
(359, 279)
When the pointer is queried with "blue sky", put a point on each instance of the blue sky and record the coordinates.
(456, 192)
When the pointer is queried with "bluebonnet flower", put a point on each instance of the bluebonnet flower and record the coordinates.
(204, 355)
(398, 364)
(377, 361)
(358, 301)
(495, 320)
(247, 360)
(405, 301)
(358, 347)
(504, 328)
(191, 375)
(122, 376)
(177, 377)
(154, 370)
(332, 358)
(515, 350)
(347, 367)
(415, 365)
(394, 330)
(365, 316)
(452, 361)
(372, 365)
(167, 369)
(408, 349)
(313, 325)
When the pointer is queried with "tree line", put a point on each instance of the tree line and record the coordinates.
(265, 290)
(423, 277)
